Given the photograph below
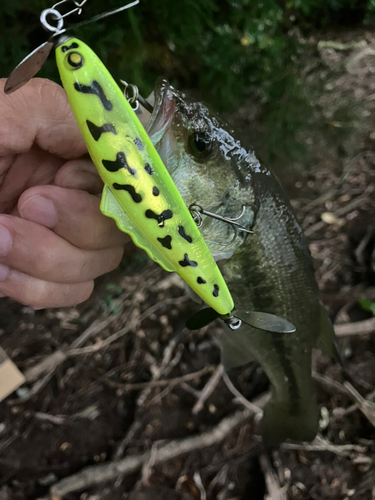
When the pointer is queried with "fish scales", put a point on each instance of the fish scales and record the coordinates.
(273, 282)
(269, 271)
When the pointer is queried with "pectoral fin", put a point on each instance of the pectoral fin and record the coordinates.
(110, 207)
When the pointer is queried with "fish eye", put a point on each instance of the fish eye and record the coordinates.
(199, 145)
(75, 60)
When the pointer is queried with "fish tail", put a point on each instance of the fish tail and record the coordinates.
(281, 422)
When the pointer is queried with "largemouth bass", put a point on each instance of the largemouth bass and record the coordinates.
(270, 270)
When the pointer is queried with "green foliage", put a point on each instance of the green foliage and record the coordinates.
(222, 48)
(367, 305)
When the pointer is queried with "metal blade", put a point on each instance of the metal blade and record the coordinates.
(28, 67)
(202, 318)
(265, 321)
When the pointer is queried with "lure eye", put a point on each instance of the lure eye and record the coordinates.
(75, 60)
(199, 145)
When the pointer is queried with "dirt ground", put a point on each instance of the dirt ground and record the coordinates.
(121, 401)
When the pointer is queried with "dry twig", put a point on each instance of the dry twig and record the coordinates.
(366, 407)
(50, 364)
(357, 328)
(132, 324)
(208, 389)
(361, 403)
(54, 360)
(320, 444)
(159, 383)
(275, 491)
(91, 476)
(357, 202)
(240, 398)
(165, 367)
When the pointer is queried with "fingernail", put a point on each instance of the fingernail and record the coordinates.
(5, 241)
(41, 210)
(4, 272)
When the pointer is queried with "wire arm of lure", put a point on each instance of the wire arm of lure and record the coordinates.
(77, 10)
(76, 3)
(59, 18)
(197, 211)
(107, 14)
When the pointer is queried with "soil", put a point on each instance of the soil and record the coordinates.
(132, 385)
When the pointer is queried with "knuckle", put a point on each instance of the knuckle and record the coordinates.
(84, 270)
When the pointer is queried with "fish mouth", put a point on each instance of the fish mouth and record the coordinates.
(163, 111)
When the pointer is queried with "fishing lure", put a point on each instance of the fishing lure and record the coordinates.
(139, 194)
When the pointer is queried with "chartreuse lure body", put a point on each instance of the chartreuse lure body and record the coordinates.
(139, 193)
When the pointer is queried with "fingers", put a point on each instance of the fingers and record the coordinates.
(31, 169)
(73, 215)
(40, 114)
(40, 294)
(79, 174)
(37, 251)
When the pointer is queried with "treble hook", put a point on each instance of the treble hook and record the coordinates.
(197, 211)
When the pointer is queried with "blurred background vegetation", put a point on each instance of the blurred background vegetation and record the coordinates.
(225, 49)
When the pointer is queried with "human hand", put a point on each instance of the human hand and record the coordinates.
(53, 239)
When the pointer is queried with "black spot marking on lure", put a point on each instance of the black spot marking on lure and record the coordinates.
(65, 48)
(96, 89)
(201, 281)
(155, 191)
(139, 144)
(161, 218)
(215, 293)
(137, 198)
(96, 131)
(187, 262)
(181, 232)
(118, 164)
(166, 242)
(148, 169)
